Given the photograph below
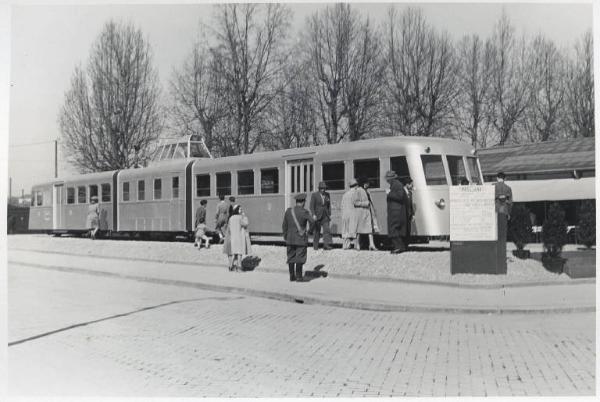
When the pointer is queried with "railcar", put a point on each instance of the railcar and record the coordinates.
(163, 197)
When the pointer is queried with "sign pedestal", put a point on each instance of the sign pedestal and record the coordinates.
(480, 257)
(477, 233)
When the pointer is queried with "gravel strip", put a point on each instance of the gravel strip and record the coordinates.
(413, 265)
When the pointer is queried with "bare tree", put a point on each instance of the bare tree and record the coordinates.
(544, 113)
(196, 92)
(421, 75)
(473, 100)
(580, 90)
(511, 74)
(249, 57)
(328, 47)
(111, 114)
(363, 75)
(291, 121)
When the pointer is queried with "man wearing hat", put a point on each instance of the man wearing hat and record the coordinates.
(503, 195)
(295, 235)
(320, 208)
(396, 213)
(409, 206)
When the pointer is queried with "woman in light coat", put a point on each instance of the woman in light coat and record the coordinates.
(348, 216)
(362, 210)
(92, 222)
(237, 238)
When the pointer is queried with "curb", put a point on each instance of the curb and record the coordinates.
(313, 300)
(341, 276)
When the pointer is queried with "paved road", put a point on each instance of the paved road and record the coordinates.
(129, 338)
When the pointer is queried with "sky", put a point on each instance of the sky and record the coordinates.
(48, 41)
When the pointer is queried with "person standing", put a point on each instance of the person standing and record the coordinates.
(200, 225)
(237, 238)
(503, 197)
(348, 216)
(93, 217)
(410, 208)
(362, 210)
(373, 215)
(222, 216)
(320, 208)
(295, 235)
(396, 212)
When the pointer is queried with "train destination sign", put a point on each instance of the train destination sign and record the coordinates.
(472, 213)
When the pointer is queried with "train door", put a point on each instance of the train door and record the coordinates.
(299, 178)
(57, 207)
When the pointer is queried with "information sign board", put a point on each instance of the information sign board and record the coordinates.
(472, 213)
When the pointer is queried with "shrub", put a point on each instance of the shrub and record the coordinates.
(519, 226)
(554, 231)
(586, 230)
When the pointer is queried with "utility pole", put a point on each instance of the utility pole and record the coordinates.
(55, 158)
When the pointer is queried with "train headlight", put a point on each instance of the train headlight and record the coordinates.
(441, 203)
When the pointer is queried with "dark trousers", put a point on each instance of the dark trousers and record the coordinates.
(322, 223)
(398, 243)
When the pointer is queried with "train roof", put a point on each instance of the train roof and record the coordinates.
(373, 144)
(552, 156)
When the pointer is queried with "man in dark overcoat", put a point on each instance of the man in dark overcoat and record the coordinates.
(503, 197)
(320, 208)
(295, 234)
(410, 208)
(396, 213)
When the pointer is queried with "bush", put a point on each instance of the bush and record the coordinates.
(519, 227)
(586, 230)
(554, 231)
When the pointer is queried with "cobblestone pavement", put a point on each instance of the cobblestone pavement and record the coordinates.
(150, 339)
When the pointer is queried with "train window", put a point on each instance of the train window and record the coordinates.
(472, 163)
(457, 169)
(105, 187)
(93, 192)
(141, 190)
(39, 198)
(175, 187)
(203, 185)
(333, 175)
(400, 166)
(70, 195)
(81, 195)
(269, 181)
(246, 182)
(224, 183)
(157, 189)
(126, 191)
(368, 169)
(434, 170)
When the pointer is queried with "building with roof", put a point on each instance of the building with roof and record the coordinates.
(541, 173)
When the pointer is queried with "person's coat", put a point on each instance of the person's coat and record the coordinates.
(396, 210)
(362, 210)
(503, 195)
(348, 215)
(92, 220)
(200, 216)
(222, 213)
(320, 205)
(291, 235)
(373, 213)
(237, 238)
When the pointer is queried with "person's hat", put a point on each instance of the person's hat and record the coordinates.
(353, 183)
(390, 174)
(322, 185)
(501, 175)
(300, 197)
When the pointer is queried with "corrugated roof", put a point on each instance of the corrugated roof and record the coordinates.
(539, 157)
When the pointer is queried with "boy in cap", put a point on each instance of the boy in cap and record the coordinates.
(320, 208)
(296, 236)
